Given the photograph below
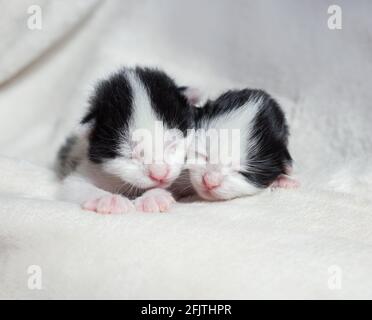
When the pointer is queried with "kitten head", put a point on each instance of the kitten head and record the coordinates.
(252, 156)
(138, 123)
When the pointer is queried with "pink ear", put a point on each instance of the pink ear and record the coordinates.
(288, 169)
(193, 95)
(285, 182)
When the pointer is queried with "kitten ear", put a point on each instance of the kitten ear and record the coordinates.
(192, 94)
(83, 130)
(288, 169)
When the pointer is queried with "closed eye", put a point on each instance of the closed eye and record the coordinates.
(243, 173)
(138, 153)
(172, 147)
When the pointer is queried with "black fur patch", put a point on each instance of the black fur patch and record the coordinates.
(224, 104)
(168, 102)
(109, 114)
(270, 131)
(111, 109)
(65, 162)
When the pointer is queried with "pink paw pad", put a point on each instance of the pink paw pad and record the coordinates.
(285, 182)
(160, 202)
(112, 203)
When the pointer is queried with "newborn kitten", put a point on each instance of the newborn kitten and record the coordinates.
(105, 163)
(261, 156)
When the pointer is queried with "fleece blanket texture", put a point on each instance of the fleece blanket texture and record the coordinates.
(313, 242)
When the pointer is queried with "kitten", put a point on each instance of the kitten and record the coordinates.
(104, 166)
(262, 159)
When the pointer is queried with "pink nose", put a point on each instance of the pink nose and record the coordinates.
(212, 180)
(158, 172)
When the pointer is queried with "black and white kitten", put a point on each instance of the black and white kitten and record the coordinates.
(260, 143)
(105, 165)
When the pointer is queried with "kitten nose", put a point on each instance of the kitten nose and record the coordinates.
(158, 172)
(212, 180)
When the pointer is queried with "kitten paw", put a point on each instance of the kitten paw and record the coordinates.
(285, 182)
(155, 200)
(111, 203)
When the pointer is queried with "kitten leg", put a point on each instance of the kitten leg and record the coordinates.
(77, 189)
(285, 182)
(154, 200)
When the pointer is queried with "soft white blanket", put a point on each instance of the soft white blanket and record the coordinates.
(314, 242)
